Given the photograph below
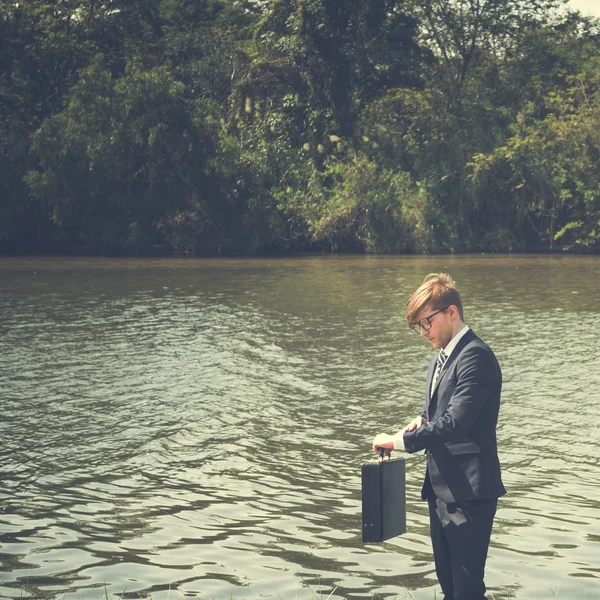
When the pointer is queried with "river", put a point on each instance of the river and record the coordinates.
(195, 428)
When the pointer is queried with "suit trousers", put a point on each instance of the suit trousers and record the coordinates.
(460, 535)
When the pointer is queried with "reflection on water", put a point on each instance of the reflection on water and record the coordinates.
(195, 428)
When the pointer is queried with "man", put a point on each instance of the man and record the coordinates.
(457, 430)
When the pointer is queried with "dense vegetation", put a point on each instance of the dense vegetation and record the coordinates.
(338, 125)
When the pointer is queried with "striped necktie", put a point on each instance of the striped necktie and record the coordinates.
(439, 365)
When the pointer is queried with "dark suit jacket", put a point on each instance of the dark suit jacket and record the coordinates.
(460, 436)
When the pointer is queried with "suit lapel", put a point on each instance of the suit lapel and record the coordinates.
(430, 373)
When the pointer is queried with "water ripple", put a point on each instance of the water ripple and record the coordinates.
(196, 428)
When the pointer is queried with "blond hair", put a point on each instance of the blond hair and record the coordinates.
(437, 291)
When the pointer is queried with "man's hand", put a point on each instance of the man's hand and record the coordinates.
(415, 424)
(385, 441)
(388, 442)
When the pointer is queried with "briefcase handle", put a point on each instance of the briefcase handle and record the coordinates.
(381, 452)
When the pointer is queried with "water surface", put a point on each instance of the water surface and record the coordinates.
(195, 428)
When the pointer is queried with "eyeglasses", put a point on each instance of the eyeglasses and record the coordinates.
(425, 323)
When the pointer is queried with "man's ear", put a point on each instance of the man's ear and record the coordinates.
(453, 312)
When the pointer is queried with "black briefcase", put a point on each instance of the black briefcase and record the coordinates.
(383, 499)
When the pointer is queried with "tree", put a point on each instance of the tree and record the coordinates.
(121, 156)
(550, 166)
(323, 60)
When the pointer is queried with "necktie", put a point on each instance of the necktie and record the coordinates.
(439, 365)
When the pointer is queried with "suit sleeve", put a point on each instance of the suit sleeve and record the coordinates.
(476, 381)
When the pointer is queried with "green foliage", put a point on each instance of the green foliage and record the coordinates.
(364, 209)
(336, 125)
(548, 171)
(320, 61)
(119, 157)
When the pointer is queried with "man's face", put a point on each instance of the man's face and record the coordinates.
(440, 332)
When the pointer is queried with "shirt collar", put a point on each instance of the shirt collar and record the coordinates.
(454, 341)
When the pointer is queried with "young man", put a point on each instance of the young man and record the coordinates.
(457, 430)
